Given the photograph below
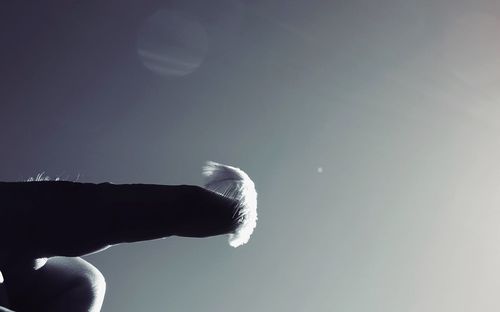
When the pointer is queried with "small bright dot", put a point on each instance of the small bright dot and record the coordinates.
(320, 169)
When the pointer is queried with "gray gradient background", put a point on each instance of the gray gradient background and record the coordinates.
(396, 101)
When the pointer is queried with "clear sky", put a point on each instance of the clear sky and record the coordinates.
(369, 127)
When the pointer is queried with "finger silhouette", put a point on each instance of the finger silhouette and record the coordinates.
(59, 218)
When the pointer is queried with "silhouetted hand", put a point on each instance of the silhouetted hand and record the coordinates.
(47, 225)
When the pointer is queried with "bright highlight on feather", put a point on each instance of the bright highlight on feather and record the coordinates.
(234, 183)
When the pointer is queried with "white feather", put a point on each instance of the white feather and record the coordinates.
(234, 183)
